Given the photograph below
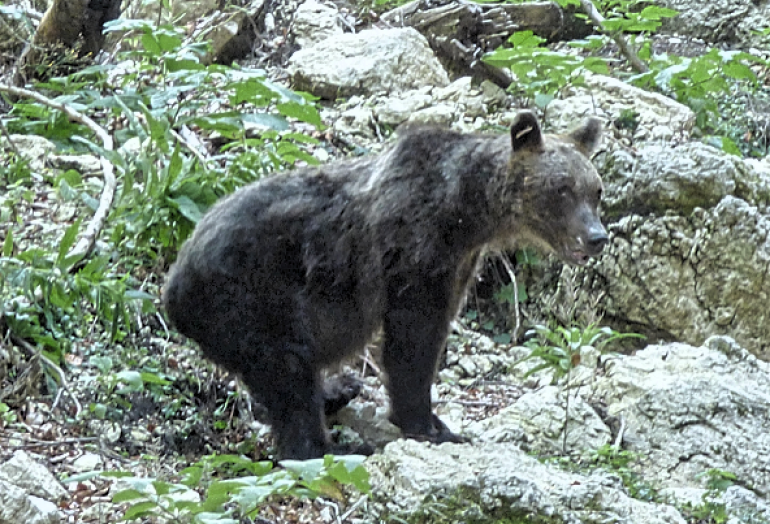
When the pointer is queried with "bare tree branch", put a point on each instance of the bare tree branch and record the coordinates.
(597, 19)
(87, 238)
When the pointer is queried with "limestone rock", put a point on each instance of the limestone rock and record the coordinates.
(658, 117)
(493, 482)
(368, 62)
(689, 409)
(16, 506)
(699, 275)
(32, 477)
(315, 22)
(36, 149)
(660, 178)
(540, 416)
(28, 492)
(714, 21)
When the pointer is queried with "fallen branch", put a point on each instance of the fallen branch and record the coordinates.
(597, 19)
(33, 352)
(87, 240)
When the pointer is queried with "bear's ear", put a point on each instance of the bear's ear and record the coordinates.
(588, 136)
(525, 132)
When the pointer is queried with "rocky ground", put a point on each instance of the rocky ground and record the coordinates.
(674, 432)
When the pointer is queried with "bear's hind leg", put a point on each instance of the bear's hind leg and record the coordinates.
(284, 380)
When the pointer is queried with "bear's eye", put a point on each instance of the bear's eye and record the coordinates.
(599, 194)
(564, 191)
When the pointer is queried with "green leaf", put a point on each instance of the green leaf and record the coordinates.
(8, 243)
(542, 100)
(596, 65)
(150, 44)
(161, 487)
(739, 71)
(188, 208)
(134, 294)
(728, 146)
(303, 112)
(300, 137)
(132, 378)
(67, 241)
(653, 12)
(502, 338)
(152, 378)
(213, 518)
(81, 477)
(174, 167)
(143, 509)
(191, 476)
(525, 39)
(267, 120)
(174, 65)
(168, 42)
(117, 474)
(305, 469)
(127, 495)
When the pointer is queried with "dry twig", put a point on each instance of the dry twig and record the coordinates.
(88, 238)
(512, 276)
(33, 351)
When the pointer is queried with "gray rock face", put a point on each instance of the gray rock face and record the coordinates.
(32, 477)
(699, 275)
(658, 117)
(368, 62)
(495, 482)
(315, 22)
(660, 178)
(690, 225)
(28, 492)
(688, 409)
(714, 21)
(682, 409)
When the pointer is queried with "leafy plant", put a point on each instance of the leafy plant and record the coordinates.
(708, 84)
(712, 509)
(619, 462)
(701, 82)
(51, 301)
(541, 72)
(227, 501)
(14, 171)
(165, 182)
(560, 349)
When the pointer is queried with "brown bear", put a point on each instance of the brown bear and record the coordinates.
(289, 275)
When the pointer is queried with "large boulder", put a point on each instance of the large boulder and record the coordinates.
(369, 62)
(416, 482)
(656, 117)
(690, 409)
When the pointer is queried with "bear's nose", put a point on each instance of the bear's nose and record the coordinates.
(597, 241)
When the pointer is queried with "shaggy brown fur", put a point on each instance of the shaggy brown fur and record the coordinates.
(291, 274)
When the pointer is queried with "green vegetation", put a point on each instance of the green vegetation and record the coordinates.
(710, 84)
(560, 349)
(225, 489)
(164, 183)
(55, 305)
